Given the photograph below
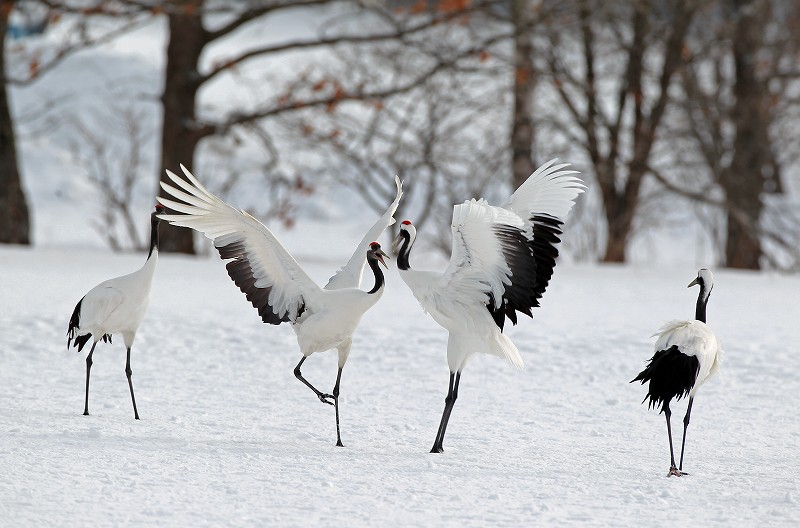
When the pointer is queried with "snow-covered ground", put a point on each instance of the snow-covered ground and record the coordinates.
(228, 436)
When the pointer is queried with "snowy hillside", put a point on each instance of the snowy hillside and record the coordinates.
(228, 436)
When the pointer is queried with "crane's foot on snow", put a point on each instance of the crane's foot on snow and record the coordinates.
(324, 398)
(437, 449)
(675, 472)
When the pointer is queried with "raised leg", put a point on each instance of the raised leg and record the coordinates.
(336, 406)
(88, 369)
(129, 372)
(449, 401)
(685, 426)
(324, 398)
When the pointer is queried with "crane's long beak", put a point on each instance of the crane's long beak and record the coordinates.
(693, 283)
(396, 243)
(380, 254)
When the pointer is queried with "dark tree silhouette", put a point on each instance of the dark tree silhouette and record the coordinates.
(14, 217)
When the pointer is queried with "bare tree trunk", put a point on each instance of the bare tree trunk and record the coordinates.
(619, 217)
(620, 200)
(522, 136)
(744, 180)
(180, 134)
(14, 219)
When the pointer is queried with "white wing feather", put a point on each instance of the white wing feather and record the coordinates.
(477, 265)
(272, 265)
(98, 305)
(349, 276)
(549, 190)
(484, 237)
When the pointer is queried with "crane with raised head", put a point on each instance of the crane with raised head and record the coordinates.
(501, 262)
(273, 281)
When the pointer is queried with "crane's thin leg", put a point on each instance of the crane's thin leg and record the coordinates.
(336, 406)
(324, 398)
(672, 469)
(88, 369)
(129, 372)
(685, 426)
(437, 443)
(449, 401)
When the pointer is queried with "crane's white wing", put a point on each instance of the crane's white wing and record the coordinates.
(509, 252)
(349, 276)
(478, 258)
(98, 305)
(261, 267)
(548, 191)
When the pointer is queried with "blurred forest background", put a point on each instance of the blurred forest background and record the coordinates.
(682, 116)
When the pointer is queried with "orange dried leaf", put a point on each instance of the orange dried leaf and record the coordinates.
(453, 6)
(419, 7)
(33, 68)
(522, 75)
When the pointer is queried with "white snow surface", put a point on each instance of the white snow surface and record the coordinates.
(229, 437)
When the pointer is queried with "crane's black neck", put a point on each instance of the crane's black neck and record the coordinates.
(378, 272)
(154, 222)
(404, 252)
(702, 301)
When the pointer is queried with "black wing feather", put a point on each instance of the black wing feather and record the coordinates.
(671, 374)
(531, 260)
(74, 324)
(241, 272)
(546, 231)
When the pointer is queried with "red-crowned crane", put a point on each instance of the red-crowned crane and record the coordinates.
(502, 260)
(687, 353)
(116, 306)
(276, 285)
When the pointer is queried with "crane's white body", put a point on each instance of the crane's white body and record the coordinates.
(331, 318)
(462, 311)
(323, 319)
(693, 338)
(482, 263)
(118, 305)
(115, 306)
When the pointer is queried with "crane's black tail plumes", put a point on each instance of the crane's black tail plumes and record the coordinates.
(72, 330)
(671, 374)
